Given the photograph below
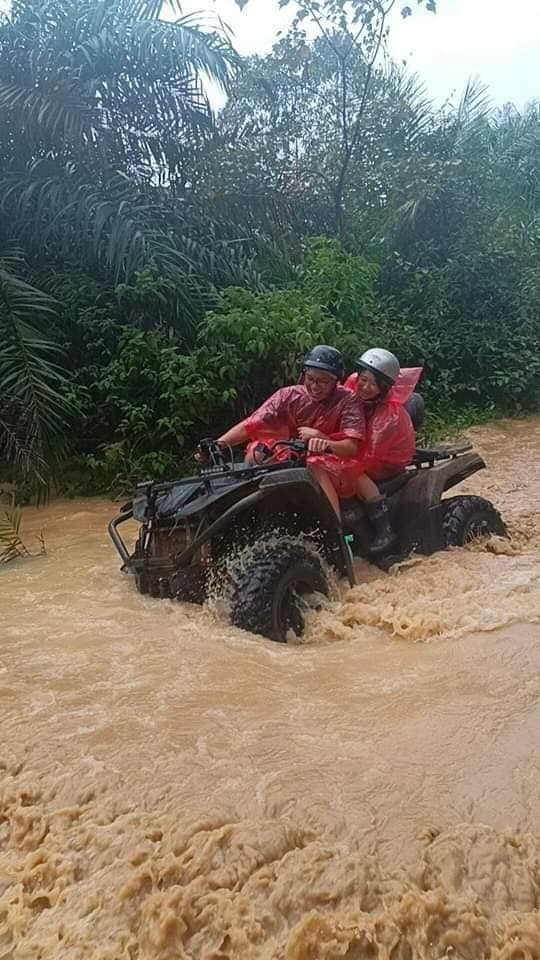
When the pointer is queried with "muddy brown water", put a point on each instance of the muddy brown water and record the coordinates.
(174, 788)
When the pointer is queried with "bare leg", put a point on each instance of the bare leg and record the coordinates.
(366, 489)
(322, 478)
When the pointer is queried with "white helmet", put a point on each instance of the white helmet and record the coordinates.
(382, 363)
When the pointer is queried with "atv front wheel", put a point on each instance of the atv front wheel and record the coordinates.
(271, 593)
(470, 518)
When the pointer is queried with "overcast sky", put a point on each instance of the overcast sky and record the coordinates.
(498, 40)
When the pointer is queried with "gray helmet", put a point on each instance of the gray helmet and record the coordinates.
(382, 363)
(326, 358)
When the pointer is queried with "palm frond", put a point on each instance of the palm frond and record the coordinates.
(34, 406)
(148, 9)
(119, 229)
(20, 450)
(11, 545)
(111, 76)
(475, 103)
(50, 115)
(408, 89)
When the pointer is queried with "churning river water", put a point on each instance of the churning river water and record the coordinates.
(173, 788)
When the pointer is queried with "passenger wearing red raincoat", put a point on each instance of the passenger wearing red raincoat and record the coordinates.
(390, 439)
(383, 389)
(389, 442)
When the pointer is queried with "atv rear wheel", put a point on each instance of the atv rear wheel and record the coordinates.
(271, 593)
(470, 518)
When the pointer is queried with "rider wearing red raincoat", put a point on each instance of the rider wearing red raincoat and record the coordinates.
(319, 410)
(291, 409)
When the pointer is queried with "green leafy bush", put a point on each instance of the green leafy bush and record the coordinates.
(145, 402)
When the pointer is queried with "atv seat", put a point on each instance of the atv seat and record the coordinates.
(416, 409)
(424, 457)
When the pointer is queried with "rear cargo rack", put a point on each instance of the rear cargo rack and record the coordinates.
(427, 457)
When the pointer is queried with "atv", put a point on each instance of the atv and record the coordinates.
(292, 538)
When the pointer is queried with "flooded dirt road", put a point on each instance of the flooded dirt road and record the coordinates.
(171, 787)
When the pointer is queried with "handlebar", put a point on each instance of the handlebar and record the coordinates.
(211, 454)
(298, 447)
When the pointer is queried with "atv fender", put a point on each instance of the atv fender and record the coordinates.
(418, 506)
(297, 492)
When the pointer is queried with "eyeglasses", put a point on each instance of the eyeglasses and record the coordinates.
(315, 380)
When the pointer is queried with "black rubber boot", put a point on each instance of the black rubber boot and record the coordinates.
(379, 518)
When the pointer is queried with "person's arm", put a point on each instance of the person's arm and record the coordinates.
(233, 437)
(272, 418)
(351, 431)
(348, 447)
(309, 433)
(340, 448)
(267, 419)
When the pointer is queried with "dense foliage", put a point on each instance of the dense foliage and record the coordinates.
(144, 402)
(157, 276)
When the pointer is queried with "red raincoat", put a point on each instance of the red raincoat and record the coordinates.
(339, 417)
(390, 441)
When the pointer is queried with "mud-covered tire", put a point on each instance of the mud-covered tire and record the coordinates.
(470, 518)
(267, 594)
